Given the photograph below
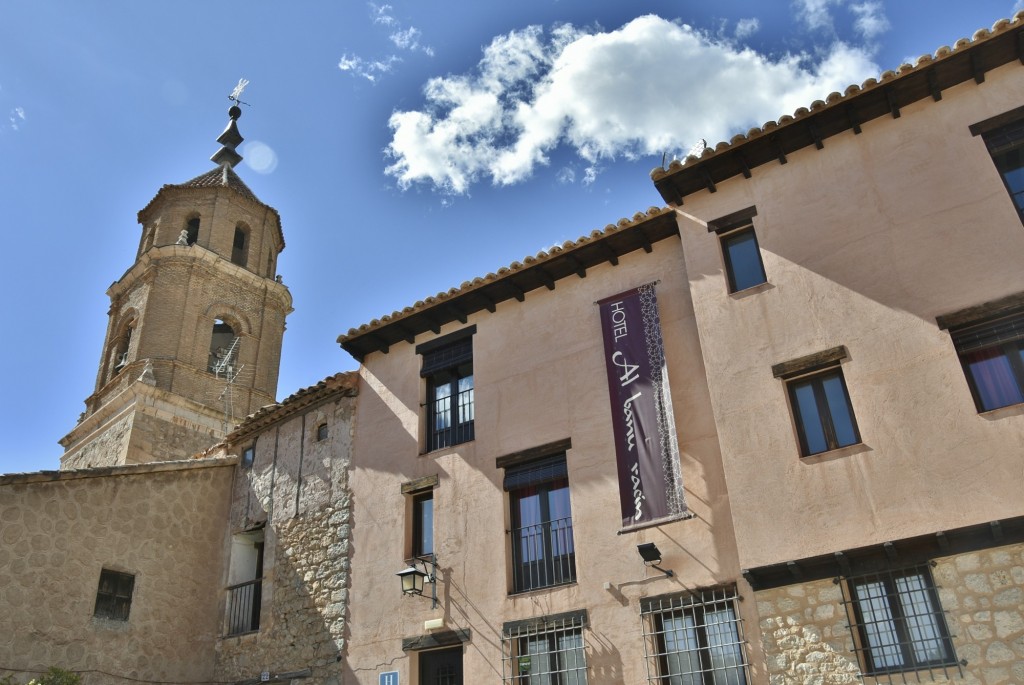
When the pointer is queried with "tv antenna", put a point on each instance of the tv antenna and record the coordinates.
(698, 148)
(227, 367)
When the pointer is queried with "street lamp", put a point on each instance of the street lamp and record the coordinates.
(413, 578)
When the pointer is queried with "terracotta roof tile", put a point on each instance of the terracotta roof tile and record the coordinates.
(505, 271)
(834, 98)
(345, 382)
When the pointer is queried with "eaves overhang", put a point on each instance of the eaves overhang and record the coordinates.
(572, 259)
(967, 60)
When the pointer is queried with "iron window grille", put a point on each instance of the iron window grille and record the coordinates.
(694, 639)
(898, 624)
(992, 355)
(114, 596)
(543, 551)
(450, 400)
(823, 412)
(546, 651)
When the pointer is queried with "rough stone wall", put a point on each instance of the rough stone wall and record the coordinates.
(108, 448)
(163, 524)
(298, 487)
(158, 438)
(807, 639)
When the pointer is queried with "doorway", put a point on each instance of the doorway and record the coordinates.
(441, 667)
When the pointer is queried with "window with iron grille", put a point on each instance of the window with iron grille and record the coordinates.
(543, 553)
(898, 623)
(114, 596)
(992, 354)
(545, 651)
(448, 369)
(694, 639)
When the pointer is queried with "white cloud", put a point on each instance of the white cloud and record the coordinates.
(748, 27)
(603, 95)
(382, 14)
(815, 13)
(367, 69)
(403, 38)
(1018, 6)
(16, 116)
(870, 19)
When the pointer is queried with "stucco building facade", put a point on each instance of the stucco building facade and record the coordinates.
(839, 296)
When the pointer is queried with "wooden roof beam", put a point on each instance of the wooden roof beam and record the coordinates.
(778, 150)
(577, 266)
(851, 115)
(815, 136)
(545, 278)
(977, 69)
(891, 101)
(933, 86)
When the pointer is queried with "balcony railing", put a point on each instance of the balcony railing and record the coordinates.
(244, 607)
(543, 555)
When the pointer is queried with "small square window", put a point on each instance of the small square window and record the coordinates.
(898, 621)
(743, 264)
(321, 432)
(822, 412)
(114, 596)
(992, 355)
(423, 523)
(248, 455)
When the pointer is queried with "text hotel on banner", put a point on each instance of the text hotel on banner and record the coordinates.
(646, 449)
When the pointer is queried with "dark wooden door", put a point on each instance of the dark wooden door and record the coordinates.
(443, 667)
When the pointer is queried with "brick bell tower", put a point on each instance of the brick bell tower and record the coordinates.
(194, 337)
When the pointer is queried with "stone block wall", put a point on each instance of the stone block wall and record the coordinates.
(161, 523)
(297, 489)
(807, 639)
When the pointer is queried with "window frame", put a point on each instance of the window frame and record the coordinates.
(418, 527)
(696, 606)
(969, 339)
(733, 238)
(825, 410)
(448, 364)
(897, 621)
(116, 604)
(567, 663)
(815, 369)
(543, 553)
(1004, 137)
(729, 228)
(322, 431)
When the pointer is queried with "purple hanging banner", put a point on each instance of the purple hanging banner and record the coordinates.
(646, 449)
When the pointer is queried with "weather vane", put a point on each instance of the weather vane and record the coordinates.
(236, 94)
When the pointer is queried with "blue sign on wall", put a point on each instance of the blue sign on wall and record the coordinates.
(389, 678)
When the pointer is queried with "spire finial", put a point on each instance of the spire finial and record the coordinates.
(231, 138)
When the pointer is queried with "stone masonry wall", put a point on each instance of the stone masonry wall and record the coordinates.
(298, 487)
(807, 639)
(161, 523)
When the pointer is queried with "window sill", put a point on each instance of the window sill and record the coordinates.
(1003, 412)
(838, 453)
(752, 290)
(242, 637)
(534, 591)
(442, 451)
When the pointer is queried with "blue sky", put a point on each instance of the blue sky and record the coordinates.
(409, 146)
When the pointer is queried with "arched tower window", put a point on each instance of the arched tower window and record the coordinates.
(223, 349)
(192, 227)
(240, 247)
(121, 345)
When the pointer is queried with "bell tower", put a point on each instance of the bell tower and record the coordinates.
(195, 326)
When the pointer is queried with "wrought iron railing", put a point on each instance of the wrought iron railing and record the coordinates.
(244, 601)
(543, 555)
